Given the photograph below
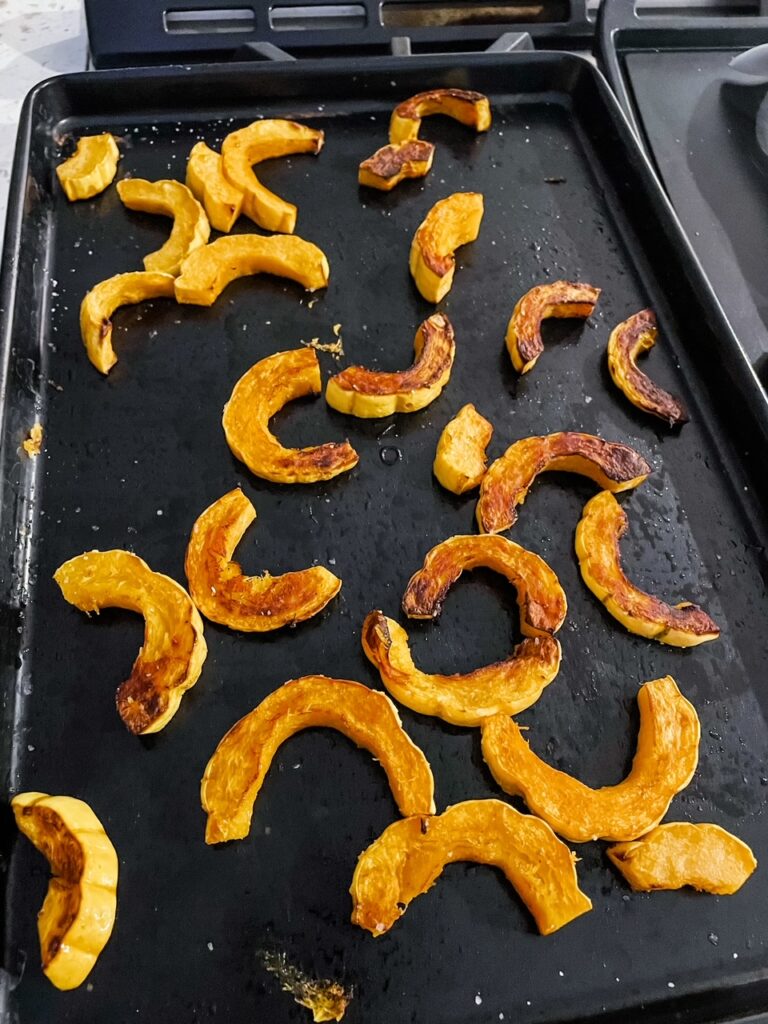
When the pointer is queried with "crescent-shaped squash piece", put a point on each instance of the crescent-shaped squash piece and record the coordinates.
(206, 272)
(680, 853)
(264, 140)
(174, 649)
(205, 178)
(259, 394)
(168, 198)
(253, 604)
(603, 523)
(78, 914)
(235, 773)
(464, 105)
(629, 340)
(613, 467)
(562, 299)
(104, 298)
(370, 393)
(393, 163)
(460, 460)
(452, 222)
(665, 760)
(91, 168)
(409, 856)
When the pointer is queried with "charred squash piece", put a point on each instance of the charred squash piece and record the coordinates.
(629, 340)
(205, 178)
(460, 460)
(613, 466)
(603, 524)
(264, 140)
(168, 199)
(370, 394)
(104, 298)
(391, 164)
(78, 914)
(452, 222)
(91, 168)
(562, 299)
(671, 856)
(253, 604)
(206, 272)
(665, 760)
(235, 773)
(470, 108)
(174, 649)
(409, 856)
(259, 394)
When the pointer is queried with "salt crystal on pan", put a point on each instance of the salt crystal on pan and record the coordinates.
(478, 1000)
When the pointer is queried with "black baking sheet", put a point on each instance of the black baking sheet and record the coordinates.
(131, 460)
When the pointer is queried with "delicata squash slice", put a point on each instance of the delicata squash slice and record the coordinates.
(613, 466)
(460, 461)
(464, 105)
(205, 179)
(235, 773)
(629, 340)
(665, 760)
(393, 163)
(91, 168)
(78, 914)
(563, 299)
(174, 649)
(409, 856)
(452, 222)
(253, 604)
(371, 393)
(603, 524)
(169, 199)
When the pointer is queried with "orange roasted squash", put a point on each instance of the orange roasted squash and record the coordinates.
(452, 222)
(91, 168)
(460, 460)
(393, 163)
(464, 105)
(563, 299)
(629, 340)
(205, 178)
(168, 199)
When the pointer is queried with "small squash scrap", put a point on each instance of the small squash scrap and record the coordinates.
(393, 163)
(629, 340)
(613, 466)
(253, 604)
(91, 168)
(562, 299)
(259, 394)
(463, 105)
(205, 179)
(603, 523)
(104, 298)
(452, 222)
(370, 393)
(409, 856)
(206, 272)
(168, 198)
(235, 773)
(264, 140)
(78, 914)
(174, 649)
(665, 760)
(460, 460)
(672, 856)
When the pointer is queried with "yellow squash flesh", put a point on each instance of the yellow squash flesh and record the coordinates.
(452, 222)
(168, 198)
(460, 460)
(91, 168)
(205, 178)
(464, 105)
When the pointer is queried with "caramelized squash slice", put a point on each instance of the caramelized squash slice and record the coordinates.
(409, 856)
(235, 773)
(603, 524)
(460, 460)
(464, 105)
(91, 168)
(371, 393)
(665, 760)
(452, 222)
(613, 467)
(562, 299)
(259, 394)
(393, 163)
(168, 198)
(629, 340)
(78, 914)
(205, 179)
(174, 649)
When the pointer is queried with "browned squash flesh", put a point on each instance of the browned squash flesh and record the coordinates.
(168, 198)
(393, 163)
(460, 460)
(629, 340)
(464, 105)
(562, 299)
(451, 223)
(235, 773)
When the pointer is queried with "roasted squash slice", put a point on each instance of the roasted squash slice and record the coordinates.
(409, 856)
(613, 466)
(671, 856)
(168, 198)
(174, 649)
(91, 168)
(391, 164)
(257, 397)
(452, 222)
(629, 340)
(104, 298)
(206, 272)
(563, 299)
(460, 460)
(470, 108)
(78, 914)
(371, 393)
(235, 773)
(205, 178)
(264, 140)
(253, 604)
(603, 524)
(665, 760)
